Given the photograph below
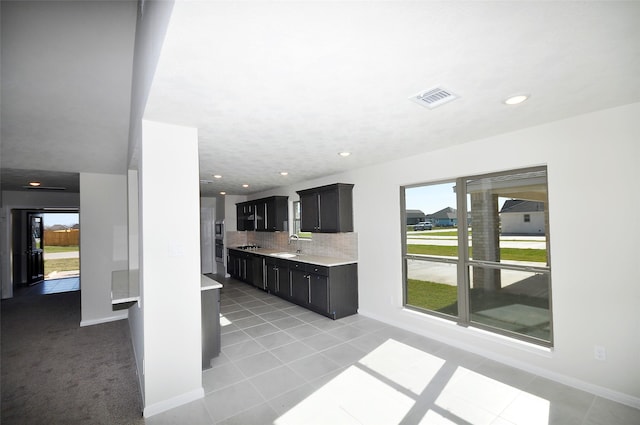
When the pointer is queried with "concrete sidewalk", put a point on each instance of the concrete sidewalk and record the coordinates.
(59, 255)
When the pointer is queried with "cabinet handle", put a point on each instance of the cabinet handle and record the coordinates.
(277, 279)
(319, 214)
(309, 286)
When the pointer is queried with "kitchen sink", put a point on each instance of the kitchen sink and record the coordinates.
(284, 255)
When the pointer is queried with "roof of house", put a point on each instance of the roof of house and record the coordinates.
(447, 213)
(415, 213)
(519, 205)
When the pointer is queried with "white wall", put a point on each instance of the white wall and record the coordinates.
(595, 287)
(513, 222)
(136, 312)
(19, 200)
(170, 266)
(103, 243)
(207, 230)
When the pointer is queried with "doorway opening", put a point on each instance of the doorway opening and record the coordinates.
(46, 247)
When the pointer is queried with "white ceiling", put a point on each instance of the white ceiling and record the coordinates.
(285, 86)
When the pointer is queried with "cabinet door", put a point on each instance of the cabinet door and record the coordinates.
(235, 265)
(257, 271)
(329, 213)
(230, 264)
(299, 286)
(250, 217)
(319, 292)
(261, 219)
(284, 285)
(240, 217)
(309, 212)
(271, 270)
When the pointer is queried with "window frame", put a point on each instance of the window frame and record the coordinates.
(464, 263)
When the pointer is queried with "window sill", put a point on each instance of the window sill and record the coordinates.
(479, 333)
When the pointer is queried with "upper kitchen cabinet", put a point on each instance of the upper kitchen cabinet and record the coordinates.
(327, 209)
(266, 215)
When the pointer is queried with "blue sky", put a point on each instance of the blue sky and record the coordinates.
(61, 218)
(432, 198)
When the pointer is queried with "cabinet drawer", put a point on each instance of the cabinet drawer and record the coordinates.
(321, 270)
(294, 265)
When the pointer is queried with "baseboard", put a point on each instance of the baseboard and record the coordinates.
(172, 403)
(597, 390)
(104, 319)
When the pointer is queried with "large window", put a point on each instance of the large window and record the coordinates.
(480, 263)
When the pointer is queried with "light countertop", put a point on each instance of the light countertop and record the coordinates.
(318, 260)
(207, 283)
(125, 286)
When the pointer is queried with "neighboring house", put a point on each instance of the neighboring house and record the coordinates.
(520, 217)
(414, 216)
(444, 218)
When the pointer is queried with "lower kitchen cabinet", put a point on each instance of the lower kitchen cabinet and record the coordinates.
(277, 277)
(331, 291)
(299, 284)
(210, 308)
(319, 292)
(247, 267)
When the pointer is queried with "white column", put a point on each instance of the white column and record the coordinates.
(170, 265)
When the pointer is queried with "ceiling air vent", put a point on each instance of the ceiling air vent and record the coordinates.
(433, 97)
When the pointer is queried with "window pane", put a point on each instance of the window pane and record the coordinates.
(296, 217)
(432, 286)
(431, 220)
(509, 218)
(515, 301)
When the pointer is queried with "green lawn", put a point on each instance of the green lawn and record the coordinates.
(511, 254)
(432, 296)
(48, 249)
(61, 265)
(453, 233)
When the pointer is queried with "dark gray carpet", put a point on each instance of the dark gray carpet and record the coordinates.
(55, 372)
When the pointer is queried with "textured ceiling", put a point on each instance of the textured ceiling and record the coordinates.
(285, 86)
(66, 88)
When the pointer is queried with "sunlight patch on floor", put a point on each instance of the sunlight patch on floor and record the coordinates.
(396, 381)
(353, 397)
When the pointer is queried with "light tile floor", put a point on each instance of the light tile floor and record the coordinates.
(282, 364)
(50, 286)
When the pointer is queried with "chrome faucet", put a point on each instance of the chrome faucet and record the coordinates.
(293, 237)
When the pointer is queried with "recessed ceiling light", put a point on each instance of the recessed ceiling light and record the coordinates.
(223, 193)
(245, 185)
(34, 184)
(345, 154)
(284, 173)
(217, 176)
(514, 100)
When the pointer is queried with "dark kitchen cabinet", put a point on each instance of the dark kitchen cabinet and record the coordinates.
(210, 308)
(299, 283)
(233, 264)
(246, 266)
(256, 275)
(277, 277)
(264, 215)
(245, 217)
(327, 209)
(319, 288)
(331, 291)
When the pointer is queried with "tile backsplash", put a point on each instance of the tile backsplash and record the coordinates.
(339, 245)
